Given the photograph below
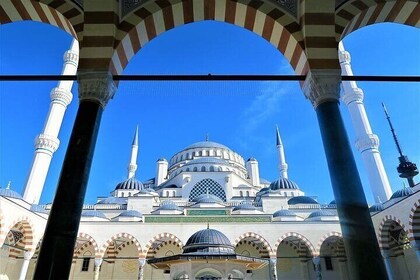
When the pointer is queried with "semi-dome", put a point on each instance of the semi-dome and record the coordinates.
(206, 144)
(94, 214)
(376, 207)
(252, 159)
(401, 193)
(302, 200)
(208, 241)
(244, 205)
(38, 209)
(10, 193)
(131, 213)
(284, 213)
(321, 213)
(283, 183)
(130, 184)
(332, 202)
(169, 205)
(113, 200)
(207, 198)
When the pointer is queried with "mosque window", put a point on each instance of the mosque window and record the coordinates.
(247, 193)
(188, 156)
(203, 168)
(328, 263)
(173, 193)
(200, 153)
(211, 168)
(129, 194)
(207, 186)
(195, 169)
(220, 169)
(85, 264)
(182, 157)
(187, 170)
(241, 193)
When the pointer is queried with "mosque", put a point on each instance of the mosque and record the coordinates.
(207, 214)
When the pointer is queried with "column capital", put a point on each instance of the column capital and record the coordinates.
(344, 57)
(97, 86)
(369, 141)
(47, 143)
(142, 262)
(98, 262)
(27, 255)
(322, 85)
(71, 57)
(61, 95)
(356, 95)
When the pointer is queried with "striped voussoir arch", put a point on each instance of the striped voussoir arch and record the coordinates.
(165, 236)
(260, 17)
(152, 252)
(359, 13)
(110, 248)
(24, 226)
(324, 237)
(386, 241)
(57, 13)
(300, 250)
(265, 250)
(90, 242)
(414, 223)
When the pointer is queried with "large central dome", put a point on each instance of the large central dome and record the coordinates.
(208, 241)
(206, 144)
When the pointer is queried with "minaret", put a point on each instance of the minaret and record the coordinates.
(366, 142)
(132, 166)
(47, 142)
(406, 168)
(282, 159)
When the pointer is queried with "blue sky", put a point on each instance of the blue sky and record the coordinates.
(172, 115)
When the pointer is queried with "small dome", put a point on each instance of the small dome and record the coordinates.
(376, 207)
(113, 200)
(131, 213)
(332, 202)
(401, 193)
(38, 209)
(169, 205)
(10, 193)
(301, 200)
(206, 144)
(244, 205)
(283, 183)
(321, 213)
(207, 198)
(208, 241)
(94, 213)
(252, 159)
(130, 184)
(284, 213)
(162, 159)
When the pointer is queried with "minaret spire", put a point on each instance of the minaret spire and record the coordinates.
(47, 142)
(366, 141)
(406, 168)
(132, 166)
(282, 158)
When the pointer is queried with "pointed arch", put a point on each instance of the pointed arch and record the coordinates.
(111, 240)
(356, 14)
(20, 234)
(64, 15)
(90, 241)
(305, 240)
(165, 235)
(325, 237)
(414, 223)
(263, 18)
(386, 225)
(265, 244)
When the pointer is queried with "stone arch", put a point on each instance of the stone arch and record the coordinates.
(388, 241)
(65, 15)
(266, 250)
(263, 18)
(167, 236)
(325, 237)
(21, 234)
(308, 244)
(414, 223)
(110, 242)
(356, 14)
(90, 242)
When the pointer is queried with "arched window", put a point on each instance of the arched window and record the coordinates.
(129, 194)
(247, 193)
(173, 193)
(220, 169)
(187, 170)
(182, 157)
(195, 169)
(188, 156)
(205, 153)
(212, 168)
(203, 169)
(241, 193)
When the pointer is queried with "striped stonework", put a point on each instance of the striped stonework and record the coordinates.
(333, 246)
(60, 13)
(392, 235)
(156, 17)
(303, 250)
(325, 237)
(414, 223)
(156, 240)
(359, 13)
(21, 235)
(158, 246)
(110, 243)
(257, 241)
(91, 241)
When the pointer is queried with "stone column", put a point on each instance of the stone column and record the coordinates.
(322, 88)
(342, 266)
(388, 266)
(273, 268)
(25, 265)
(304, 269)
(317, 264)
(55, 257)
(142, 263)
(97, 268)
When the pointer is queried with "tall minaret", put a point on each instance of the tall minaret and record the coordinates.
(132, 166)
(282, 158)
(47, 142)
(366, 142)
(406, 168)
